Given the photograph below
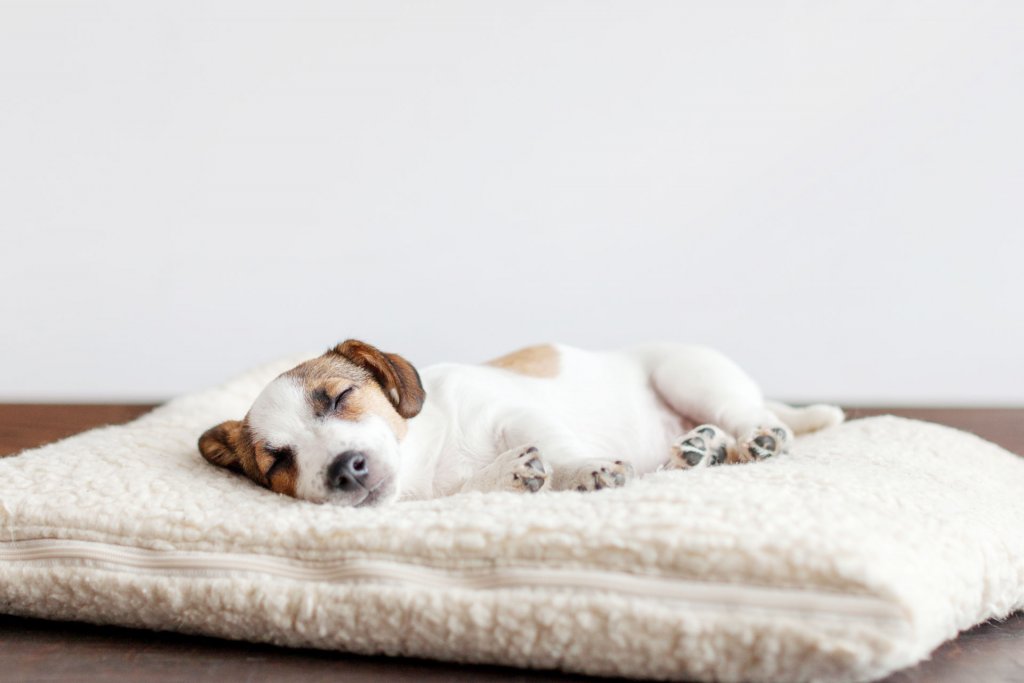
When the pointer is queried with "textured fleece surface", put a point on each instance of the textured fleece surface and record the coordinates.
(855, 555)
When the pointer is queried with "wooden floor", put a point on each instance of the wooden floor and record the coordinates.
(35, 650)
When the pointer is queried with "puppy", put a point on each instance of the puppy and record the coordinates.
(357, 426)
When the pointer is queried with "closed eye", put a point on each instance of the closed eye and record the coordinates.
(281, 456)
(339, 400)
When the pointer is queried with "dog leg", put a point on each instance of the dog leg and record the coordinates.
(572, 467)
(703, 386)
(520, 470)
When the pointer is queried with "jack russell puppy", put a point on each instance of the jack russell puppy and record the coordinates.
(357, 426)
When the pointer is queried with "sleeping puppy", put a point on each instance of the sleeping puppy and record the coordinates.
(357, 426)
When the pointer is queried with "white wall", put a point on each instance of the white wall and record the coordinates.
(831, 192)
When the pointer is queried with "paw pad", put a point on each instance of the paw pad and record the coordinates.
(531, 473)
(764, 443)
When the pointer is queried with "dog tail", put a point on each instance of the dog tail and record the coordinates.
(808, 418)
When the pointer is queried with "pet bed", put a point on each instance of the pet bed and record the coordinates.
(853, 556)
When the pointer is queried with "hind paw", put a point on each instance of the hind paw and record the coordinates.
(763, 443)
(702, 446)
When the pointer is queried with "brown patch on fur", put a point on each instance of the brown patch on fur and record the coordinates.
(220, 445)
(365, 397)
(370, 399)
(533, 361)
(229, 445)
(327, 368)
(284, 479)
(280, 475)
(396, 376)
(330, 374)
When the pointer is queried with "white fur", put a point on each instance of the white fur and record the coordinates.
(601, 407)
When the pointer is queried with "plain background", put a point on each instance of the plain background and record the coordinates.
(831, 192)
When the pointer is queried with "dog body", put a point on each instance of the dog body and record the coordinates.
(360, 427)
(573, 406)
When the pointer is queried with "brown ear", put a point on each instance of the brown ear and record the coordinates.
(219, 444)
(396, 376)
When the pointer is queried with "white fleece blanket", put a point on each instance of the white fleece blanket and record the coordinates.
(855, 555)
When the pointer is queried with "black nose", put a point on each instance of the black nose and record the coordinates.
(348, 471)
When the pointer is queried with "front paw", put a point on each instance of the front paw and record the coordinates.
(530, 473)
(594, 475)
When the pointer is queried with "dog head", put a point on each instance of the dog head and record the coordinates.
(327, 430)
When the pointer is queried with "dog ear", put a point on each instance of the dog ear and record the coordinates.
(220, 444)
(396, 376)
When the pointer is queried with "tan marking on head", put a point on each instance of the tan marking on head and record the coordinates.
(371, 399)
(396, 376)
(326, 368)
(533, 361)
(328, 375)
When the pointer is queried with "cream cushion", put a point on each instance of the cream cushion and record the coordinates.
(853, 556)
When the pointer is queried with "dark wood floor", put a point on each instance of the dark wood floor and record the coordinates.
(36, 650)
